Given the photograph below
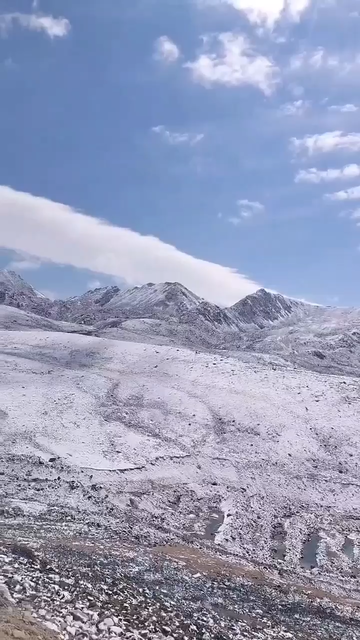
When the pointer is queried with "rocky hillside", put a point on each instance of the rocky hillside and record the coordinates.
(15, 292)
(263, 307)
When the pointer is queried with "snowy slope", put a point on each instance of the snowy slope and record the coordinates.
(320, 338)
(84, 309)
(263, 307)
(15, 292)
(186, 433)
(12, 319)
(11, 281)
(169, 298)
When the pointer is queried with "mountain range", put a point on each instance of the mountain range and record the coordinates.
(165, 300)
(270, 324)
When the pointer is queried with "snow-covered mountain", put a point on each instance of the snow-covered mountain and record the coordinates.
(325, 339)
(15, 292)
(84, 309)
(12, 282)
(111, 306)
(322, 338)
(263, 307)
(169, 299)
(13, 319)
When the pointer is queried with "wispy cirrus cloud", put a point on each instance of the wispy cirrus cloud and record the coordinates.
(343, 64)
(166, 50)
(316, 176)
(296, 108)
(345, 194)
(52, 27)
(176, 138)
(56, 233)
(326, 143)
(229, 59)
(246, 209)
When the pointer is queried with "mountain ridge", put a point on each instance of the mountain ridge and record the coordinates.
(282, 329)
(168, 299)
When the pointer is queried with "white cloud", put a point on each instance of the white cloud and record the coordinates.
(346, 194)
(56, 233)
(24, 263)
(94, 284)
(249, 205)
(174, 138)
(52, 27)
(268, 12)
(322, 60)
(296, 108)
(247, 209)
(343, 108)
(233, 63)
(316, 176)
(326, 142)
(166, 50)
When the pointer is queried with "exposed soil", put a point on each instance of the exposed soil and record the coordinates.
(18, 625)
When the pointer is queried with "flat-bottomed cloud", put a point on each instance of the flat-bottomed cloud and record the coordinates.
(316, 176)
(326, 142)
(345, 194)
(54, 232)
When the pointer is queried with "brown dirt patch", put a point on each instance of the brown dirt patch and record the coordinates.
(15, 625)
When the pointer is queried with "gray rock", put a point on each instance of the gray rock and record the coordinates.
(5, 596)
(79, 616)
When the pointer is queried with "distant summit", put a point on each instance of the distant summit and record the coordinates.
(15, 292)
(151, 300)
(263, 307)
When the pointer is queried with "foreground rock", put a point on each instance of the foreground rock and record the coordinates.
(85, 590)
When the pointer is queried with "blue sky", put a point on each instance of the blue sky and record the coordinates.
(218, 139)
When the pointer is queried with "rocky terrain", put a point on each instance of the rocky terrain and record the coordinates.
(173, 469)
(89, 589)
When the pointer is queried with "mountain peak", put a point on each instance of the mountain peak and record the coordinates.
(264, 293)
(11, 278)
(169, 298)
(15, 292)
(263, 306)
(11, 281)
